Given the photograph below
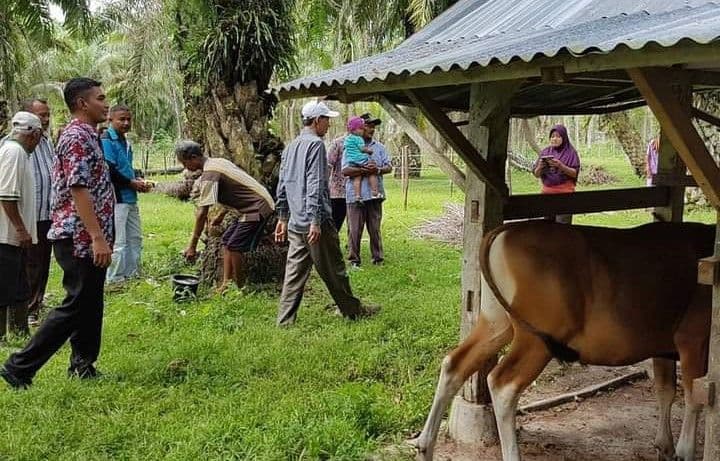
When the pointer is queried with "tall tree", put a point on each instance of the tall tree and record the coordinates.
(621, 126)
(25, 28)
(229, 51)
(709, 102)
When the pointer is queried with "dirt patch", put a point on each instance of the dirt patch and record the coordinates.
(611, 426)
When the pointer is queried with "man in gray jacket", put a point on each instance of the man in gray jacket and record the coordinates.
(305, 219)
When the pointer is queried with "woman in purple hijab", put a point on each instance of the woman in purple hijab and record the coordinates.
(558, 166)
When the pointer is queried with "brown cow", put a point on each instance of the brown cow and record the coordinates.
(595, 295)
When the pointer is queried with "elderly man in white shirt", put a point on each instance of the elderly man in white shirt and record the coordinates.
(39, 255)
(17, 218)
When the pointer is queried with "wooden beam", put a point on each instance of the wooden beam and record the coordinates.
(670, 168)
(582, 393)
(674, 119)
(454, 137)
(596, 82)
(552, 74)
(703, 392)
(607, 98)
(702, 77)
(595, 201)
(444, 163)
(708, 270)
(532, 112)
(702, 115)
(712, 411)
(671, 179)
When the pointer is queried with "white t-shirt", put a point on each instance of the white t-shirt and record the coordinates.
(17, 184)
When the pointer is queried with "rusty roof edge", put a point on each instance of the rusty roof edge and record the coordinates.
(323, 88)
(350, 75)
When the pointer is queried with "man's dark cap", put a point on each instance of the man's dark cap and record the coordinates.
(368, 117)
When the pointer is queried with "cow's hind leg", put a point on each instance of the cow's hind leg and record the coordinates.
(664, 374)
(485, 341)
(527, 357)
(692, 345)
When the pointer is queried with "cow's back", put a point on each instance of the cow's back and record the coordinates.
(612, 295)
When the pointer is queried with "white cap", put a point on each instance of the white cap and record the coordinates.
(26, 121)
(315, 109)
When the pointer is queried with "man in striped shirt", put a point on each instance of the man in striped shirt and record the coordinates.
(39, 255)
(226, 184)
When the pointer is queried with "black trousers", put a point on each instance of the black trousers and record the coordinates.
(78, 318)
(339, 211)
(14, 291)
(38, 267)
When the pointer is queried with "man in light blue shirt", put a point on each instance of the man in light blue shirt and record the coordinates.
(367, 211)
(128, 231)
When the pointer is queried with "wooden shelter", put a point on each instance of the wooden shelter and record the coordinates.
(497, 59)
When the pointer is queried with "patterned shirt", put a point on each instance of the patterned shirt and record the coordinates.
(334, 158)
(42, 162)
(80, 162)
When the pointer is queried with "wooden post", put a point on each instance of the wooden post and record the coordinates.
(674, 118)
(405, 171)
(712, 411)
(674, 115)
(670, 165)
(472, 419)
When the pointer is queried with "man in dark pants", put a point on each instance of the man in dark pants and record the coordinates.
(39, 255)
(304, 219)
(367, 212)
(17, 219)
(337, 182)
(82, 234)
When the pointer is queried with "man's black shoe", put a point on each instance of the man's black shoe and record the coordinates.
(84, 372)
(14, 381)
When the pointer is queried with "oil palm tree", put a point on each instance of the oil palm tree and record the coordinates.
(26, 28)
(229, 51)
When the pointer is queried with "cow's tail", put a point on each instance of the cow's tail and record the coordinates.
(485, 266)
(558, 349)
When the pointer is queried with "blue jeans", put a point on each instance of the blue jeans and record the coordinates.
(128, 243)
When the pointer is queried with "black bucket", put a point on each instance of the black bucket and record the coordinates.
(184, 287)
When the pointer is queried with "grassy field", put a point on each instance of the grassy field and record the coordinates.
(217, 380)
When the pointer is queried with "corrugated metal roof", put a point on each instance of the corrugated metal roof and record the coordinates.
(482, 32)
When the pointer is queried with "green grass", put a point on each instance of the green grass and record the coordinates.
(217, 380)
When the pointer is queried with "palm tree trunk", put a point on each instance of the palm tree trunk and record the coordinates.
(4, 117)
(232, 123)
(621, 126)
(709, 102)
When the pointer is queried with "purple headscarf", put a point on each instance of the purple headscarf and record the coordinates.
(566, 153)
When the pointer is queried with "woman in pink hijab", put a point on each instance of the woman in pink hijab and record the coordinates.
(558, 166)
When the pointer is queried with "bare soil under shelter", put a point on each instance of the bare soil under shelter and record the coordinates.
(614, 425)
